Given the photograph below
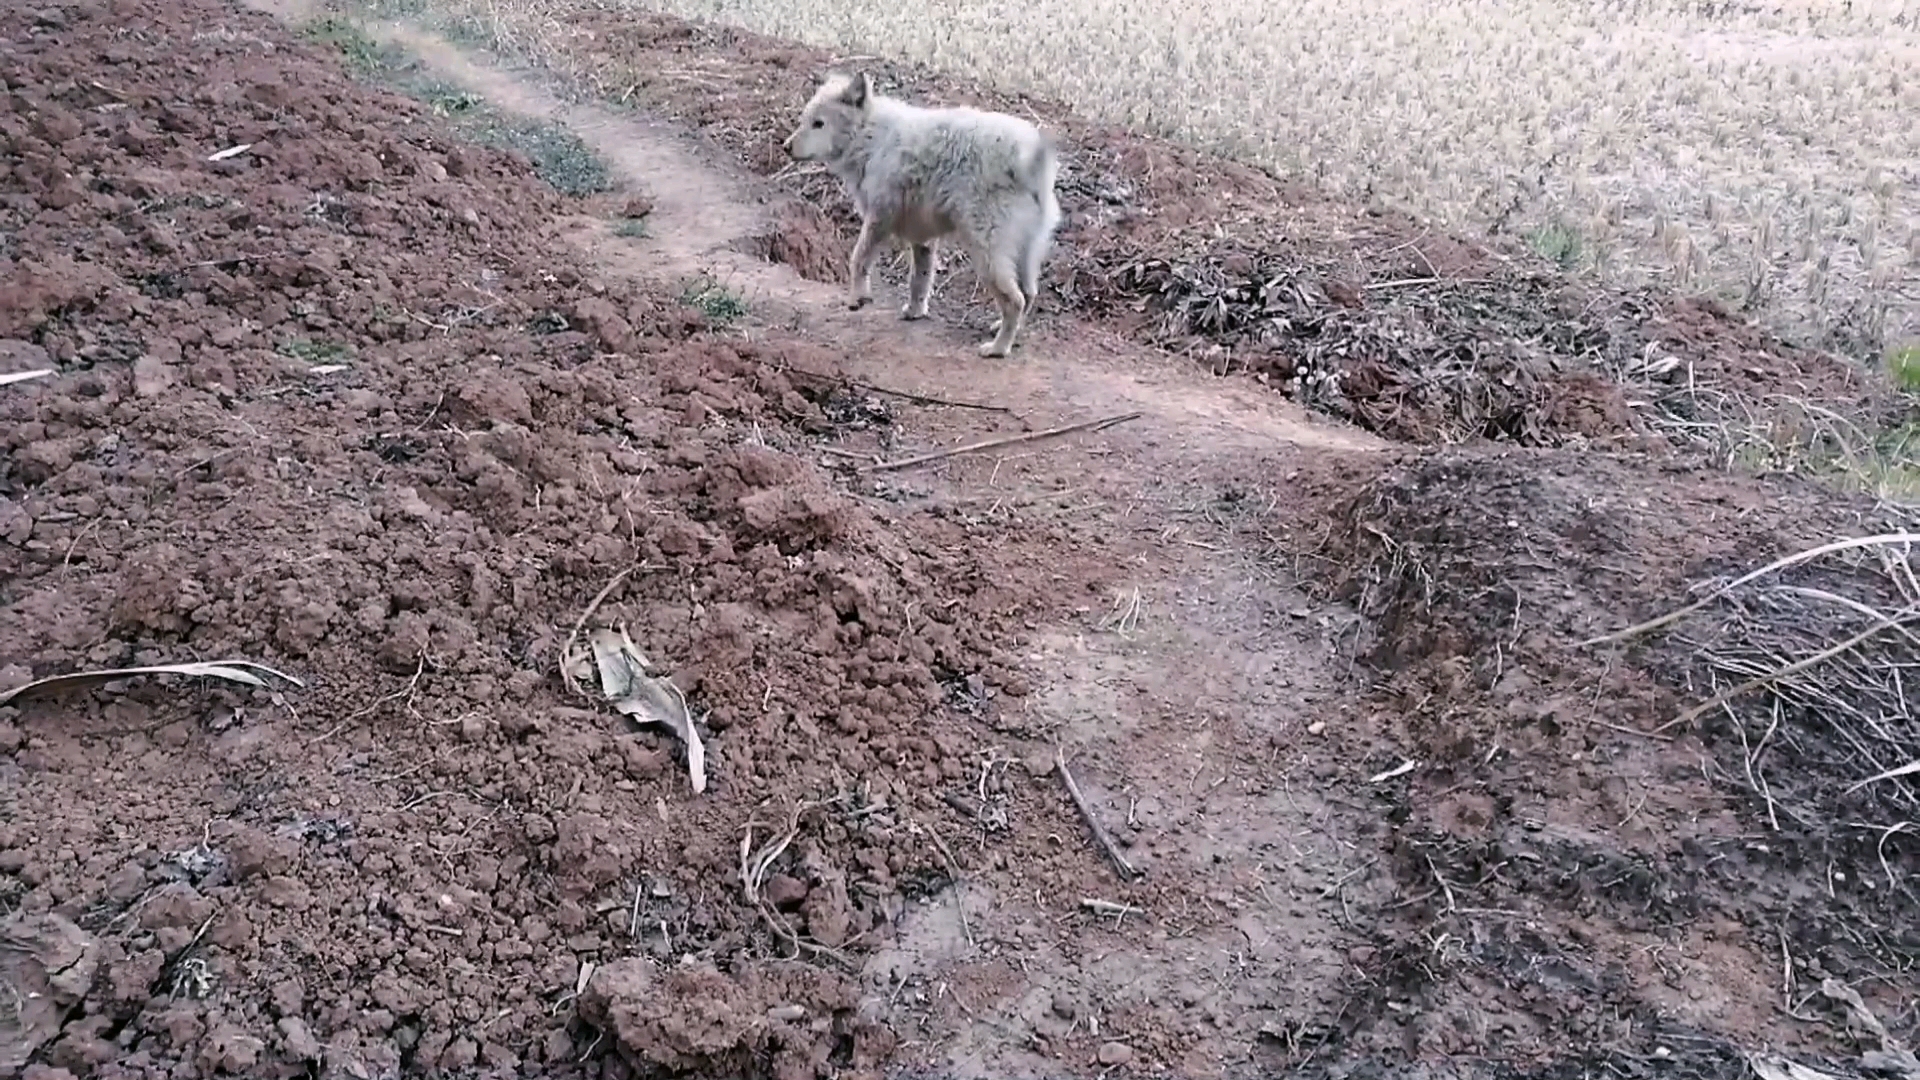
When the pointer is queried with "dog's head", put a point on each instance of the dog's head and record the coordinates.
(831, 116)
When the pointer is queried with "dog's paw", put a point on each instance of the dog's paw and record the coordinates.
(993, 348)
(858, 302)
(911, 313)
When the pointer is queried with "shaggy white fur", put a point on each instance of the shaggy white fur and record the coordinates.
(919, 175)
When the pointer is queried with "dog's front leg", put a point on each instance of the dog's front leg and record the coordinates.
(860, 266)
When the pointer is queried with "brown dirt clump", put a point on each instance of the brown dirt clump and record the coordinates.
(1359, 312)
(1545, 835)
(339, 403)
(806, 239)
(688, 1019)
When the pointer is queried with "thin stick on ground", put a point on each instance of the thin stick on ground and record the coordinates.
(573, 635)
(953, 867)
(1882, 539)
(1006, 440)
(1086, 812)
(1894, 773)
(918, 399)
(925, 399)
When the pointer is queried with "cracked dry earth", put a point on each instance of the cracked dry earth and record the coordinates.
(376, 406)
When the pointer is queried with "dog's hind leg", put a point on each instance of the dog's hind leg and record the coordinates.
(1037, 244)
(860, 266)
(1030, 255)
(1001, 274)
(921, 284)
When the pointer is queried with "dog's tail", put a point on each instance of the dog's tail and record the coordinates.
(1042, 168)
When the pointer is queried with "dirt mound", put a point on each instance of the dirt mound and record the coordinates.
(1502, 567)
(1417, 358)
(1554, 785)
(334, 402)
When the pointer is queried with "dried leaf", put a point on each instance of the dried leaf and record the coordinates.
(646, 700)
(231, 670)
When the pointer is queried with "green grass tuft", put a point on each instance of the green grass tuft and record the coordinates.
(1903, 364)
(1561, 243)
(719, 304)
(313, 351)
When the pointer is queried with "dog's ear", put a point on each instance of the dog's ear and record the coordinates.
(859, 90)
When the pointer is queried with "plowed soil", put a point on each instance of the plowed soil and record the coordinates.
(404, 862)
(338, 389)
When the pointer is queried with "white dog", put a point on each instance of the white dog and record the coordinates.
(917, 174)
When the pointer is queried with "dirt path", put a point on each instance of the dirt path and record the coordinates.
(706, 210)
(1184, 700)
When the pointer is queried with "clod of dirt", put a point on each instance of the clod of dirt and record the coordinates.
(41, 290)
(47, 966)
(698, 1021)
(806, 239)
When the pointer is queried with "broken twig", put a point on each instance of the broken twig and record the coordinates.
(1005, 440)
(918, 399)
(755, 863)
(1099, 831)
(1781, 563)
(1894, 623)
